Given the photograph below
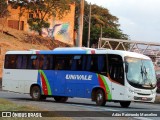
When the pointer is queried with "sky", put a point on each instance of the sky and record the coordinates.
(140, 19)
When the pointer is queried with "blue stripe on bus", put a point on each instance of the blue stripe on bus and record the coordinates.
(71, 83)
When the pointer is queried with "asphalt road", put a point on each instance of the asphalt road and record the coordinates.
(77, 104)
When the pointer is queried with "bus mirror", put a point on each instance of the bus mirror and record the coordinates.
(126, 67)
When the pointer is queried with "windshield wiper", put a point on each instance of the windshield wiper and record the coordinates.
(144, 71)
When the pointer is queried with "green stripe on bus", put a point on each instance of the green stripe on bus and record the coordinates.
(107, 88)
(48, 85)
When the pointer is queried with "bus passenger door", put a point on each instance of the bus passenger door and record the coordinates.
(116, 75)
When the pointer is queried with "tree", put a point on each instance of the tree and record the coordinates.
(3, 9)
(44, 9)
(100, 18)
(4, 13)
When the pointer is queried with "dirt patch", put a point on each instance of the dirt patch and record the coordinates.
(48, 42)
(5, 44)
(10, 35)
(13, 39)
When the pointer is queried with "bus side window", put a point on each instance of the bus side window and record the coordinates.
(12, 61)
(88, 66)
(40, 61)
(19, 62)
(48, 62)
(76, 63)
(62, 62)
(84, 62)
(6, 65)
(116, 70)
(102, 68)
(94, 63)
(24, 61)
(51, 62)
(33, 62)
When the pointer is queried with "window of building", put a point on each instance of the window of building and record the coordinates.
(30, 15)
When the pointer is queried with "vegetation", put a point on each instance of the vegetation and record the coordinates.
(6, 105)
(4, 13)
(100, 18)
(42, 10)
(3, 9)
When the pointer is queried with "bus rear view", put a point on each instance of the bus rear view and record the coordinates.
(62, 73)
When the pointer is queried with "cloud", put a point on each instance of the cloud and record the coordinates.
(138, 18)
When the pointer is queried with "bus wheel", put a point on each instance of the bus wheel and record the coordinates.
(35, 93)
(100, 98)
(60, 99)
(125, 104)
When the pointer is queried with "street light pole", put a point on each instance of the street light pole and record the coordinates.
(89, 27)
(80, 24)
(100, 40)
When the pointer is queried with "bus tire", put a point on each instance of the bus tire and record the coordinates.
(100, 98)
(60, 99)
(125, 104)
(35, 93)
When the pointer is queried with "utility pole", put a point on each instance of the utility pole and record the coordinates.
(80, 24)
(89, 27)
(100, 39)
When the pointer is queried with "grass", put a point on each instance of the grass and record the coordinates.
(6, 105)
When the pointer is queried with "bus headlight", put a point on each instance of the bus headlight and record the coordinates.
(131, 91)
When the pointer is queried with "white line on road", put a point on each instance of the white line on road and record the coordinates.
(108, 109)
(142, 118)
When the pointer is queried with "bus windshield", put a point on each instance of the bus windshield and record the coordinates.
(140, 72)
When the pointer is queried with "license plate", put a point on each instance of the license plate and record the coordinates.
(144, 98)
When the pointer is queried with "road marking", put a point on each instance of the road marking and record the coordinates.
(96, 108)
(142, 118)
(108, 109)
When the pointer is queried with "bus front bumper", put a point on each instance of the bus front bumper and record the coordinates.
(141, 95)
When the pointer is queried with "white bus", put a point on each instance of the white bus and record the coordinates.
(102, 75)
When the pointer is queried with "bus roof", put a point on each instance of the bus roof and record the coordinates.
(81, 50)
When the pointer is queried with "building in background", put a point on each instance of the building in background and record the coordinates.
(60, 29)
